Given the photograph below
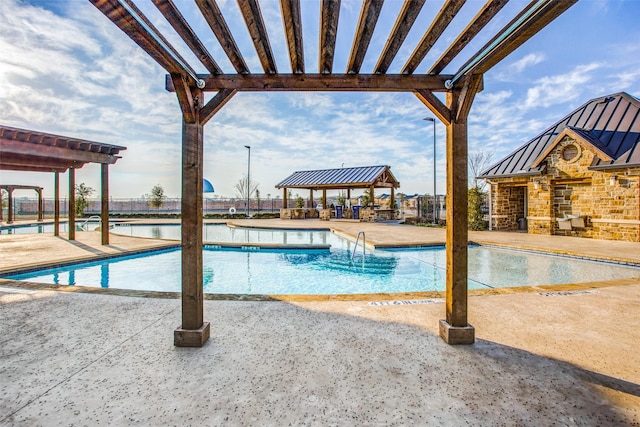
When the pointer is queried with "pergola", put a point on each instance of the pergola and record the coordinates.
(364, 177)
(32, 151)
(460, 89)
(10, 189)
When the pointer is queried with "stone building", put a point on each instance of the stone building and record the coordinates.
(580, 177)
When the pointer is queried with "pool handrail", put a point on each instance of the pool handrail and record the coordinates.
(364, 243)
(89, 219)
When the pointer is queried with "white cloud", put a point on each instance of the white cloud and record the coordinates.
(527, 61)
(558, 89)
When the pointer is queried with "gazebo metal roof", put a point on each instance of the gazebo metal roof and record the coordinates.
(356, 177)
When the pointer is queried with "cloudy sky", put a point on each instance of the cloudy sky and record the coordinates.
(66, 69)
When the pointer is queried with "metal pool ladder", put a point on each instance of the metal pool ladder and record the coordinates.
(82, 226)
(355, 246)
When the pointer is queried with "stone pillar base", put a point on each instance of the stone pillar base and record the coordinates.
(457, 334)
(191, 337)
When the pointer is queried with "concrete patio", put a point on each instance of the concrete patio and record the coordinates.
(564, 355)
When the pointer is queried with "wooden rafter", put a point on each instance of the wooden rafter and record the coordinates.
(321, 82)
(177, 21)
(329, 14)
(167, 57)
(482, 18)
(495, 50)
(292, 21)
(404, 22)
(369, 14)
(255, 24)
(218, 25)
(439, 24)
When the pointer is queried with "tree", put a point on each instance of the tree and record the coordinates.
(478, 161)
(241, 188)
(475, 215)
(156, 198)
(258, 199)
(83, 193)
(299, 202)
(342, 199)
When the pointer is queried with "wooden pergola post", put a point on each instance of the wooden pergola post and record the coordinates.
(285, 203)
(193, 332)
(311, 198)
(56, 203)
(455, 329)
(104, 203)
(72, 204)
(324, 198)
(40, 204)
(9, 205)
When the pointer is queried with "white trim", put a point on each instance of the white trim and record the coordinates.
(539, 218)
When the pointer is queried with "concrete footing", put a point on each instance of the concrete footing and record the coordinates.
(191, 337)
(457, 334)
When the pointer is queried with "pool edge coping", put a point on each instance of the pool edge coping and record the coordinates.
(402, 296)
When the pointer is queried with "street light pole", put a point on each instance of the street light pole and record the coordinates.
(248, 175)
(431, 119)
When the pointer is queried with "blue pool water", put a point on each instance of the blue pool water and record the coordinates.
(47, 227)
(280, 271)
(223, 233)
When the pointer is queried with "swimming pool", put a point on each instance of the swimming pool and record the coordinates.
(47, 227)
(224, 233)
(330, 271)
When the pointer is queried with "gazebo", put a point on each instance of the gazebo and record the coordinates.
(363, 177)
(459, 87)
(33, 151)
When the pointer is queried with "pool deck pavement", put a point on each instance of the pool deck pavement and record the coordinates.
(565, 355)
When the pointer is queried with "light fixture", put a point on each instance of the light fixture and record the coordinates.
(613, 180)
(536, 184)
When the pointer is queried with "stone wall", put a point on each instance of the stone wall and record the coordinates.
(508, 201)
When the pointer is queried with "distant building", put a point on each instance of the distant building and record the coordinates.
(577, 178)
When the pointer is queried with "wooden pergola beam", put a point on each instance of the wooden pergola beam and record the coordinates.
(255, 24)
(292, 21)
(433, 33)
(177, 21)
(215, 104)
(329, 15)
(407, 16)
(441, 111)
(369, 14)
(321, 82)
(212, 14)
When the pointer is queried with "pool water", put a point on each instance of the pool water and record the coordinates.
(47, 227)
(223, 233)
(324, 271)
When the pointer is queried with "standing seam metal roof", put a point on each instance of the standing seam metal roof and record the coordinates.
(347, 177)
(610, 123)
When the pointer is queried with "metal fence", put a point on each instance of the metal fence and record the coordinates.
(27, 208)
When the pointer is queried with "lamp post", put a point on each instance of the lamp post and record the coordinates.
(431, 119)
(248, 175)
